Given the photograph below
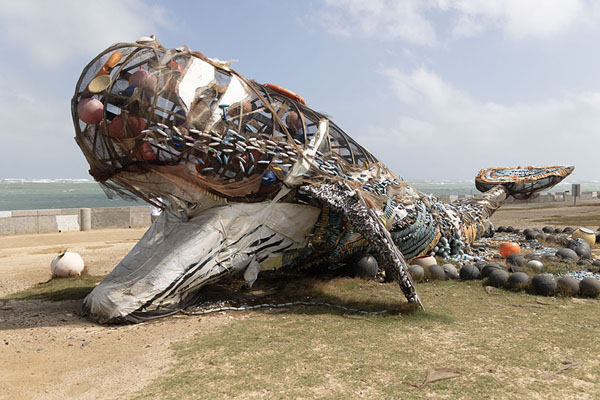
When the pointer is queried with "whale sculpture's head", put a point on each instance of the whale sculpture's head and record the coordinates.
(174, 124)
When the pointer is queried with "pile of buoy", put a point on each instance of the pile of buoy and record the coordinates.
(502, 276)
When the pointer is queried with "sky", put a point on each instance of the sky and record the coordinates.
(436, 89)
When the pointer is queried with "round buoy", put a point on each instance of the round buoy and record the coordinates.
(365, 266)
(66, 265)
(568, 286)
(544, 284)
(450, 271)
(535, 265)
(518, 281)
(567, 254)
(119, 129)
(416, 272)
(509, 248)
(515, 259)
(144, 79)
(436, 273)
(530, 235)
(583, 250)
(489, 268)
(90, 110)
(469, 272)
(498, 278)
(589, 287)
(480, 265)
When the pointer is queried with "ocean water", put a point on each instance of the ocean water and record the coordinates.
(22, 194)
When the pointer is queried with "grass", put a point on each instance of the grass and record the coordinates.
(58, 289)
(504, 344)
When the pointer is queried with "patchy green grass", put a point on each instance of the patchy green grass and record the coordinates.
(59, 289)
(504, 344)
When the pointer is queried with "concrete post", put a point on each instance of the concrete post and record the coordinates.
(86, 219)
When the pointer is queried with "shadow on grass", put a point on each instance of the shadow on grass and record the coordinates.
(273, 287)
(58, 289)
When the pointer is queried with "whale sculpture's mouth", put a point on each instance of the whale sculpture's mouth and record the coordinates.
(176, 257)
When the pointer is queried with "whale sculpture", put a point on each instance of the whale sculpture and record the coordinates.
(245, 172)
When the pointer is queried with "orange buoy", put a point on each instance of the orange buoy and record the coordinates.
(506, 249)
(145, 152)
(126, 128)
(286, 92)
(110, 63)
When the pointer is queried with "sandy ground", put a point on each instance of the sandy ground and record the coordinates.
(47, 351)
(525, 216)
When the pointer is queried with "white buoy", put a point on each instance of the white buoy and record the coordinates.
(66, 264)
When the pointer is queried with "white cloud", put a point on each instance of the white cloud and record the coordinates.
(412, 20)
(43, 41)
(383, 18)
(37, 132)
(447, 133)
(517, 18)
(50, 33)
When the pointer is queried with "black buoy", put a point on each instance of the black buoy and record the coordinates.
(518, 281)
(417, 273)
(498, 278)
(584, 251)
(489, 268)
(515, 259)
(568, 286)
(436, 273)
(567, 254)
(544, 284)
(364, 266)
(469, 272)
(589, 287)
(450, 271)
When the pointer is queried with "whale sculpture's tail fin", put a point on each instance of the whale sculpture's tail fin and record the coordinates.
(522, 182)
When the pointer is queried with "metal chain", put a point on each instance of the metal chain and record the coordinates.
(282, 305)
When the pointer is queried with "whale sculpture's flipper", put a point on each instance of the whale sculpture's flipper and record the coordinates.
(341, 198)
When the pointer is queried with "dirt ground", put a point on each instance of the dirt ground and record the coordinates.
(554, 214)
(48, 351)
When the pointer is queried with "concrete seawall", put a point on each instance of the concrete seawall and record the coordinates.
(72, 219)
(81, 219)
(561, 197)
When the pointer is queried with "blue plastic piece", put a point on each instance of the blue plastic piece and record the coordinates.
(269, 178)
